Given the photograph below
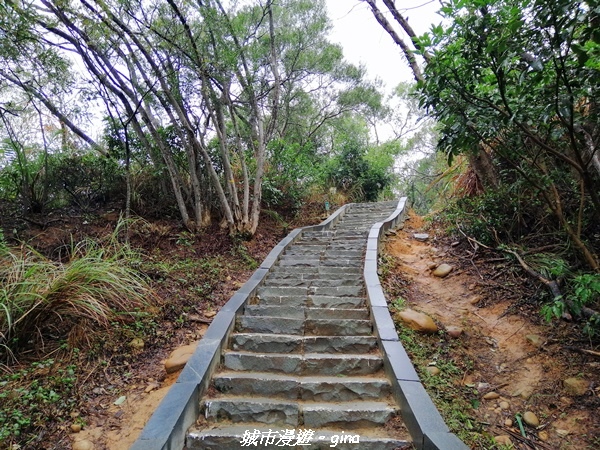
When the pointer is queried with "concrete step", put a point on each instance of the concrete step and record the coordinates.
(252, 409)
(281, 291)
(338, 327)
(337, 291)
(307, 364)
(282, 343)
(327, 301)
(256, 435)
(274, 325)
(346, 416)
(317, 389)
(349, 415)
(294, 312)
(330, 280)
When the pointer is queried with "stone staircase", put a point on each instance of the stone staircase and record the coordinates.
(302, 368)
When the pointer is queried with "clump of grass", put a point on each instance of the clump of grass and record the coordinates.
(97, 286)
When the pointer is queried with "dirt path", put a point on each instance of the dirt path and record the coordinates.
(511, 356)
(526, 375)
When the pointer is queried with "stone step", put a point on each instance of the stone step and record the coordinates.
(349, 415)
(282, 343)
(256, 409)
(256, 435)
(337, 291)
(314, 273)
(337, 327)
(307, 364)
(335, 253)
(329, 280)
(342, 262)
(314, 327)
(281, 291)
(323, 270)
(317, 389)
(294, 312)
(274, 325)
(337, 313)
(295, 300)
(325, 301)
(297, 262)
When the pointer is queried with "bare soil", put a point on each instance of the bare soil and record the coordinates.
(487, 297)
(496, 307)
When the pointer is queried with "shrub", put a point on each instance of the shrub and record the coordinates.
(96, 286)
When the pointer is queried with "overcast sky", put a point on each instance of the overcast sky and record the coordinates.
(365, 41)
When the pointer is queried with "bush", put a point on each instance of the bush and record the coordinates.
(95, 287)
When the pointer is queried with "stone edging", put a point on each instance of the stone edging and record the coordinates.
(179, 409)
(424, 422)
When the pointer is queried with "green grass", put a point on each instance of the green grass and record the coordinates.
(455, 401)
(97, 285)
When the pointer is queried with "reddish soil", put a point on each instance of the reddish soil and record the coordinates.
(492, 303)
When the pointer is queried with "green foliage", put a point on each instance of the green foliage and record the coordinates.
(517, 80)
(582, 290)
(33, 397)
(97, 285)
(354, 174)
(454, 400)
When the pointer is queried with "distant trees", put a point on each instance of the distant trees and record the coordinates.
(517, 84)
(201, 92)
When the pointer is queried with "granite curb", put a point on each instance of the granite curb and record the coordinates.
(179, 409)
(424, 422)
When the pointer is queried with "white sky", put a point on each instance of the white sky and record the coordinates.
(365, 41)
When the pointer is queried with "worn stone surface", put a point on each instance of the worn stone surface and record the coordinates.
(417, 321)
(491, 396)
(531, 419)
(83, 444)
(179, 357)
(454, 331)
(576, 386)
(240, 409)
(534, 340)
(443, 270)
(421, 236)
(355, 415)
(504, 439)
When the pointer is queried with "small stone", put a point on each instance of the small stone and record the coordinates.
(562, 433)
(475, 300)
(433, 266)
(120, 400)
(83, 445)
(417, 321)
(575, 386)
(137, 344)
(543, 435)
(503, 440)
(504, 405)
(442, 270)
(151, 387)
(209, 314)
(179, 357)
(421, 236)
(535, 340)
(472, 287)
(454, 332)
(508, 423)
(531, 419)
(433, 370)
(76, 428)
(491, 396)
(74, 414)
